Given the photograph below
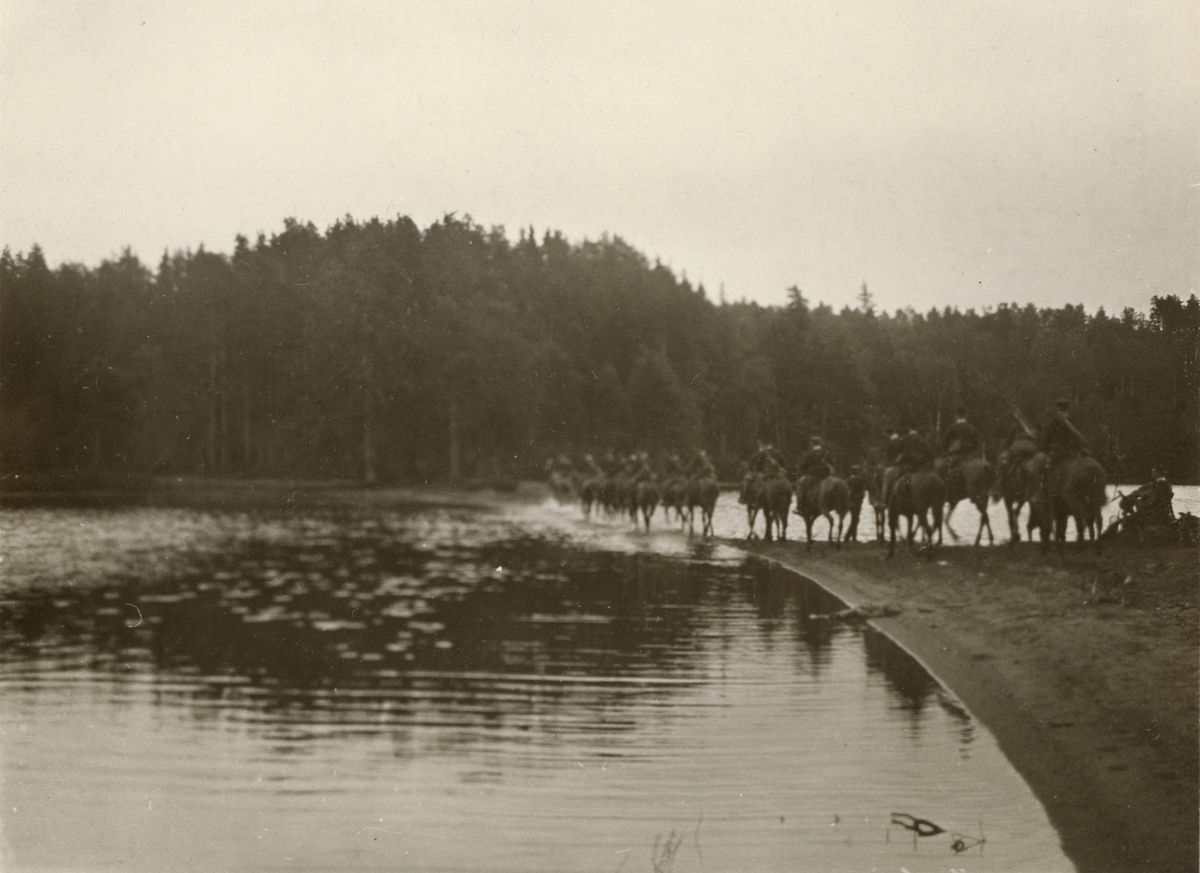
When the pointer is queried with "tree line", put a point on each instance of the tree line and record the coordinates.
(380, 352)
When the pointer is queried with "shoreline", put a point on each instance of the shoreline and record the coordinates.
(1101, 729)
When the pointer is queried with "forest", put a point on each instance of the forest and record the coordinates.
(382, 353)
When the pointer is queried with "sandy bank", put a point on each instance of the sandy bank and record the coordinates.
(1085, 669)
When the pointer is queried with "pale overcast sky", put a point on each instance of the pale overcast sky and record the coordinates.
(948, 153)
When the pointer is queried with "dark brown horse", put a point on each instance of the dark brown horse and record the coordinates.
(674, 497)
(826, 497)
(1074, 488)
(919, 494)
(645, 501)
(857, 481)
(880, 480)
(775, 499)
(1078, 490)
(772, 495)
(1034, 476)
(1013, 487)
(702, 494)
(970, 480)
(591, 494)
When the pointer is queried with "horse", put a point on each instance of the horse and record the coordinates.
(674, 496)
(1077, 489)
(645, 500)
(1034, 476)
(857, 483)
(880, 481)
(749, 495)
(971, 480)
(591, 493)
(562, 486)
(823, 497)
(702, 493)
(772, 495)
(917, 494)
(1013, 486)
(776, 500)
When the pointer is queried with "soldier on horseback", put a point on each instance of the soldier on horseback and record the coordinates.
(1059, 438)
(914, 452)
(638, 468)
(701, 467)
(767, 459)
(961, 440)
(814, 466)
(895, 445)
(816, 461)
(767, 463)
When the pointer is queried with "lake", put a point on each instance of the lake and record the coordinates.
(456, 689)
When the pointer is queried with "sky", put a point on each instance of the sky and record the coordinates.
(945, 153)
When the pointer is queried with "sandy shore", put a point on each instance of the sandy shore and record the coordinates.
(1084, 668)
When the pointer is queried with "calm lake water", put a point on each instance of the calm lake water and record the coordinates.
(464, 689)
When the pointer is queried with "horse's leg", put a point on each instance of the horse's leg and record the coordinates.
(1013, 509)
(928, 528)
(951, 504)
(1080, 529)
(987, 518)
(841, 521)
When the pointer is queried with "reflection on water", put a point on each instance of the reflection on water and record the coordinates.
(444, 689)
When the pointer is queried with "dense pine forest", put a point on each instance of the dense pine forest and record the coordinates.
(386, 354)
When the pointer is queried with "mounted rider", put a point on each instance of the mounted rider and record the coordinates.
(767, 463)
(593, 469)
(816, 461)
(1059, 438)
(1020, 447)
(767, 460)
(700, 467)
(638, 469)
(891, 451)
(673, 466)
(814, 467)
(914, 452)
(961, 440)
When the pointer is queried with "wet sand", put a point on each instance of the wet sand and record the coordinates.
(1084, 668)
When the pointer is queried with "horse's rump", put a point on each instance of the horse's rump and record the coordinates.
(808, 497)
(833, 496)
(776, 495)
